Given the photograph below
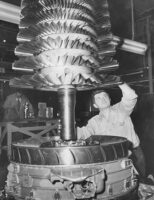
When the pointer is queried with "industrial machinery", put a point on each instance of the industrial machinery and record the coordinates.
(66, 46)
(97, 168)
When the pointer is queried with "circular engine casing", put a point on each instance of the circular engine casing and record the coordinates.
(99, 171)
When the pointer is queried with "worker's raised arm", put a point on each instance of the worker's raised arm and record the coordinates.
(86, 131)
(129, 98)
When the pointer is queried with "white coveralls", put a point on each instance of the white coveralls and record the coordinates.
(117, 122)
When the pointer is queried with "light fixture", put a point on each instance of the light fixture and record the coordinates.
(9, 12)
(129, 45)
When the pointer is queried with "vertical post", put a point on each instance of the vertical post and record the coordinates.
(67, 101)
(149, 58)
(132, 19)
(9, 139)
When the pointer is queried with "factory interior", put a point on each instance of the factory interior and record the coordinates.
(57, 54)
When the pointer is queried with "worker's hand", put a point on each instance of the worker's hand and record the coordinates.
(118, 80)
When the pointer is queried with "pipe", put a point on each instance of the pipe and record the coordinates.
(9, 12)
(67, 101)
(149, 56)
(129, 45)
(132, 73)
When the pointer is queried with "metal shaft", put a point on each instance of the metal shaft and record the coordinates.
(67, 101)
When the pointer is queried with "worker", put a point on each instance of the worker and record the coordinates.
(15, 106)
(115, 121)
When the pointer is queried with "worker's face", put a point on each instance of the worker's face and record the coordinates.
(18, 94)
(101, 100)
